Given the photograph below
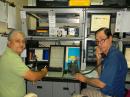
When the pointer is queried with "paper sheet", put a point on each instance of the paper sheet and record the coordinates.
(3, 12)
(98, 21)
(39, 54)
(11, 17)
(57, 57)
(3, 44)
(123, 21)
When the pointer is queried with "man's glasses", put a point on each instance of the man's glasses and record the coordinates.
(101, 41)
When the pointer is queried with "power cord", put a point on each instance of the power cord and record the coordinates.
(84, 73)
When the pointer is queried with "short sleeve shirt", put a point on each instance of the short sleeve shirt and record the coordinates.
(114, 73)
(12, 70)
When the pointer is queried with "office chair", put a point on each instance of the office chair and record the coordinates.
(127, 94)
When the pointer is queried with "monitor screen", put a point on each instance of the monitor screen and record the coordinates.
(56, 57)
(72, 56)
(127, 54)
(99, 20)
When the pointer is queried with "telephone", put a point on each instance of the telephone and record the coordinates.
(103, 55)
(99, 51)
(90, 71)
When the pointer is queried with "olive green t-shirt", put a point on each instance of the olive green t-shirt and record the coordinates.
(12, 69)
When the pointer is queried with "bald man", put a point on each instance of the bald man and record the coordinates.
(13, 70)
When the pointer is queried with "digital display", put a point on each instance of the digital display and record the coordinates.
(72, 56)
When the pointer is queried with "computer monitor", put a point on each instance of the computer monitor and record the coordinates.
(56, 58)
(126, 51)
(72, 56)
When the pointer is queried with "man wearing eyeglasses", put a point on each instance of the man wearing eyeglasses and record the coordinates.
(111, 81)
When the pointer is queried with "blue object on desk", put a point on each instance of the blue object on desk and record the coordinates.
(45, 54)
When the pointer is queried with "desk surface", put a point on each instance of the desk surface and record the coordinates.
(60, 75)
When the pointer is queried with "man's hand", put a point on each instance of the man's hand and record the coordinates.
(81, 77)
(98, 55)
(44, 70)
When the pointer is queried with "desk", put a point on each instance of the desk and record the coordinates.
(54, 85)
(57, 85)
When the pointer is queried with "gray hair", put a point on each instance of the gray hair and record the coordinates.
(10, 35)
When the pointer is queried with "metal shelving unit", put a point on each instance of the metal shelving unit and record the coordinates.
(102, 10)
(71, 17)
(56, 17)
(55, 38)
(53, 18)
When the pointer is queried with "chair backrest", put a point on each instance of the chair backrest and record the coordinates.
(128, 93)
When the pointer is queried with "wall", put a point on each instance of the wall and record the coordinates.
(19, 4)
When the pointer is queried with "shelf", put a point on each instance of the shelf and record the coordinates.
(104, 10)
(58, 20)
(92, 6)
(31, 61)
(55, 38)
(58, 10)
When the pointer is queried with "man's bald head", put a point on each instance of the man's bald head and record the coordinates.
(13, 33)
(16, 41)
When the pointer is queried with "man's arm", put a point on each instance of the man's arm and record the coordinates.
(91, 81)
(35, 75)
